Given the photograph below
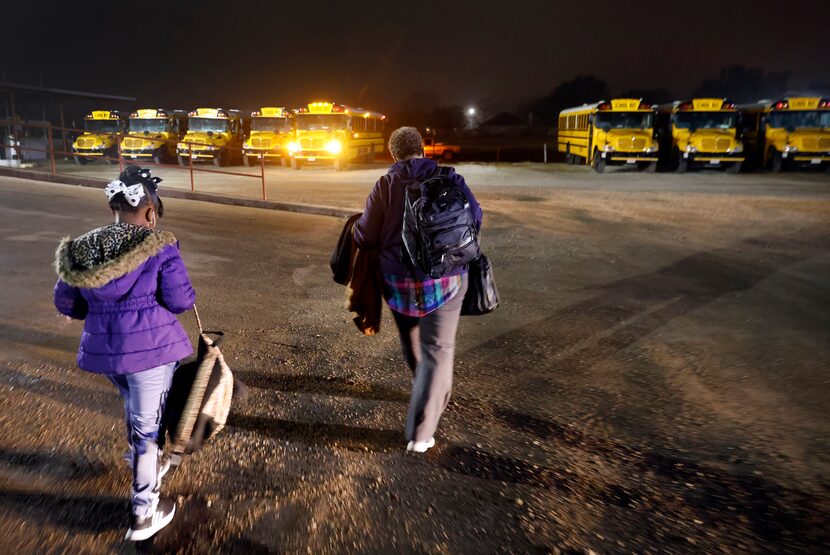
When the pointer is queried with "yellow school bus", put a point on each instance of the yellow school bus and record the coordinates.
(272, 129)
(100, 137)
(153, 133)
(615, 132)
(701, 132)
(335, 133)
(215, 135)
(789, 132)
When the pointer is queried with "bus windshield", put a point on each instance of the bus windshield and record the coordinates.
(704, 120)
(270, 124)
(149, 125)
(322, 122)
(807, 119)
(622, 120)
(217, 125)
(101, 125)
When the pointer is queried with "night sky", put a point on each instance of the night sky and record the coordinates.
(376, 54)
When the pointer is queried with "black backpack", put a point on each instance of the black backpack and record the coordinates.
(439, 231)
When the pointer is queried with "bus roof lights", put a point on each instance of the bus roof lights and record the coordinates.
(604, 106)
(781, 104)
(644, 106)
(685, 106)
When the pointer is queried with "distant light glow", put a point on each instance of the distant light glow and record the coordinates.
(471, 111)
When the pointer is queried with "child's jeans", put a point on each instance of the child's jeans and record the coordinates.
(144, 395)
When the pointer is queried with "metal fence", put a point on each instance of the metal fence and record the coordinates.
(18, 145)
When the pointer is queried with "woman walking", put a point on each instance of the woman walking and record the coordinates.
(127, 281)
(426, 310)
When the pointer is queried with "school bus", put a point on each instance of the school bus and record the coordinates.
(615, 132)
(272, 129)
(789, 132)
(153, 133)
(215, 135)
(100, 137)
(325, 131)
(701, 132)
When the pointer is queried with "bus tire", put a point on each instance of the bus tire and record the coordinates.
(220, 160)
(111, 156)
(246, 160)
(284, 161)
(776, 162)
(682, 165)
(446, 155)
(296, 164)
(599, 163)
(180, 158)
(81, 160)
(370, 158)
(159, 156)
(650, 167)
(734, 168)
(339, 164)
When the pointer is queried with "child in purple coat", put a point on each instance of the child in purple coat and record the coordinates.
(127, 281)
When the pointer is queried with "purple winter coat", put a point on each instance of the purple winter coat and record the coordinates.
(382, 221)
(127, 282)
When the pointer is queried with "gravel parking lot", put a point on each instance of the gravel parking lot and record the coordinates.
(655, 381)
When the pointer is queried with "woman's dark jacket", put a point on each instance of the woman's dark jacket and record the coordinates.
(382, 221)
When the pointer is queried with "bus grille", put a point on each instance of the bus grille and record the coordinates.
(261, 143)
(633, 143)
(133, 143)
(86, 143)
(312, 143)
(810, 144)
(824, 143)
(715, 145)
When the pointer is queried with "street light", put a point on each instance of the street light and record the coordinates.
(471, 111)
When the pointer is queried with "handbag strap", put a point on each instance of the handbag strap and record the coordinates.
(198, 320)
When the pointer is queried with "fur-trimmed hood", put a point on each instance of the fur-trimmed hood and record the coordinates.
(107, 253)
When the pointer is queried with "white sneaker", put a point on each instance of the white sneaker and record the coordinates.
(420, 446)
(142, 528)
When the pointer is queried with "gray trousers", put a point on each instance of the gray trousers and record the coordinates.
(429, 349)
(144, 395)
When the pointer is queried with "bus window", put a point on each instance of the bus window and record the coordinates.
(808, 119)
(704, 120)
(623, 120)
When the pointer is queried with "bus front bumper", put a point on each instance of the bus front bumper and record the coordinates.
(88, 152)
(713, 158)
(199, 154)
(268, 153)
(314, 155)
(617, 157)
(807, 157)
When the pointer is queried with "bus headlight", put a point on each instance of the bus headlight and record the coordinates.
(736, 148)
(608, 148)
(293, 147)
(334, 147)
(691, 148)
(790, 148)
(652, 148)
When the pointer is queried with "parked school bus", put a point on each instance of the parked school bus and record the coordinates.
(616, 132)
(153, 133)
(100, 137)
(272, 129)
(217, 134)
(700, 132)
(335, 133)
(790, 132)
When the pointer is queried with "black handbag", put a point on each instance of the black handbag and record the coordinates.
(482, 296)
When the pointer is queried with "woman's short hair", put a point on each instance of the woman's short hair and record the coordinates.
(405, 141)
